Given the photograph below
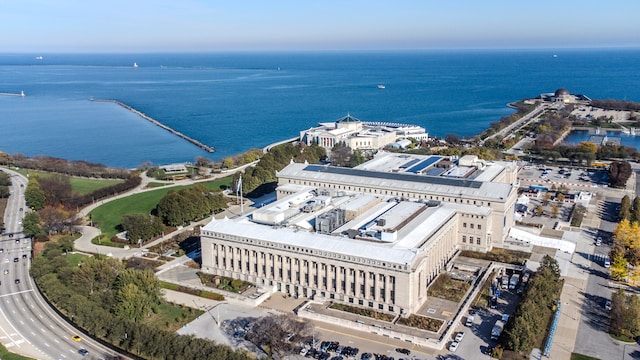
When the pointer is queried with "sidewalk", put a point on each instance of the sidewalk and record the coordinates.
(572, 299)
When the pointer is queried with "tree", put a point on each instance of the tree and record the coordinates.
(635, 210)
(141, 227)
(619, 173)
(588, 147)
(31, 224)
(618, 270)
(33, 195)
(625, 208)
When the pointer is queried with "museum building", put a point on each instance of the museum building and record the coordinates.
(374, 236)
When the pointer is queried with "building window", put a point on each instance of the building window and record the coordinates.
(471, 225)
(370, 304)
(381, 306)
(464, 225)
(479, 227)
(390, 308)
(478, 241)
(464, 238)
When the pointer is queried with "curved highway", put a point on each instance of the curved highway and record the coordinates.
(28, 326)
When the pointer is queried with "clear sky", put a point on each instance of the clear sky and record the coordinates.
(41, 26)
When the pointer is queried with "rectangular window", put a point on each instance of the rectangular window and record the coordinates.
(464, 238)
(479, 227)
(478, 241)
(471, 226)
(464, 225)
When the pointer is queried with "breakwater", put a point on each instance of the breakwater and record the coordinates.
(158, 123)
(21, 94)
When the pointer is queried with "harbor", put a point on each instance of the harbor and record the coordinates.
(158, 123)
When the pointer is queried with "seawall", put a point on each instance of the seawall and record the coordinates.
(158, 123)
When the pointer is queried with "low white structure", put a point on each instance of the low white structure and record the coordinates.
(360, 135)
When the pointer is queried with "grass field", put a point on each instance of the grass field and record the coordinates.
(109, 215)
(75, 259)
(6, 355)
(79, 185)
(172, 317)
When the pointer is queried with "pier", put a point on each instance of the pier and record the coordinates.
(20, 94)
(158, 123)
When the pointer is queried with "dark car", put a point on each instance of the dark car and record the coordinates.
(24, 256)
(17, 281)
(83, 352)
(16, 259)
(403, 351)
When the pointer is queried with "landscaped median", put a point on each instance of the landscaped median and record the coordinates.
(197, 292)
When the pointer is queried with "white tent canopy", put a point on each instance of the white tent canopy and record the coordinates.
(562, 245)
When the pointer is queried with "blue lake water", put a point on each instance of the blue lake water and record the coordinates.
(578, 136)
(239, 101)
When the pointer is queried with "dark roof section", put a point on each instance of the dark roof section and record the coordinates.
(395, 176)
(348, 119)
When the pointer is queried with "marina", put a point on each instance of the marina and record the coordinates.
(159, 124)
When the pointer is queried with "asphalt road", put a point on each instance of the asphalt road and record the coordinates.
(28, 325)
(593, 331)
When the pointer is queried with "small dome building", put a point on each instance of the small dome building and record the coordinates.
(562, 95)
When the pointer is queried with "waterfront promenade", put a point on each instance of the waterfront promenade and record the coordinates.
(158, 123)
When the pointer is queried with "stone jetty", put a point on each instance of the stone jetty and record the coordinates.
(158, 123)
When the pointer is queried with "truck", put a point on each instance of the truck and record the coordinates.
(513, 282)
(497, 330)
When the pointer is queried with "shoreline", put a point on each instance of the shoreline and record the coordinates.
(195, 142)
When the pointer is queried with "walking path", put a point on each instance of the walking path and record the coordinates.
(573, 297)
(84, 244)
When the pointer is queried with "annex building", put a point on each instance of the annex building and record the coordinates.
(372, 236)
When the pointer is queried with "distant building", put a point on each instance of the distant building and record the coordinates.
(563, 95)
(360, 135)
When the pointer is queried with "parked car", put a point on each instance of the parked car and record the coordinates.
(469, 321)
(607, 305)
(599, 241)
(459, 337)
(403, 351)
(607, 263)
(454, 346)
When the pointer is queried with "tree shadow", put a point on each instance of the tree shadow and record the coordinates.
(594, 312)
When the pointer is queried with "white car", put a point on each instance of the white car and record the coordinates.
(607, 263)
(454, 346)
(599, 241)
(459, 337)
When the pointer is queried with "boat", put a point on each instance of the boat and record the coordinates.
(632, 132)
(555, 55)
(135, 65)
(39, 58)
(381, 86)
(22, 93)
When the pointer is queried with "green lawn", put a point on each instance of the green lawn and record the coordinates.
(75, 259)
(6, 355)
(172, 317)
(109, 215)
(79, 185)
